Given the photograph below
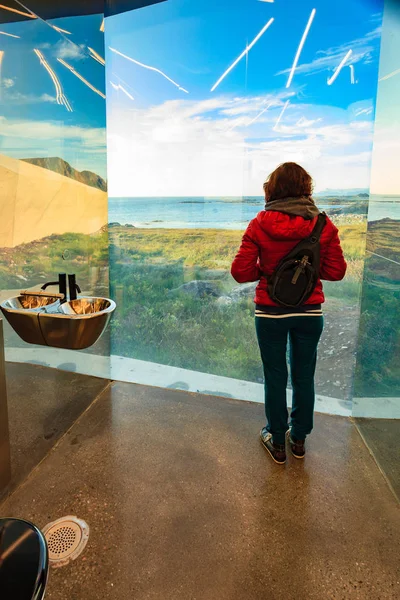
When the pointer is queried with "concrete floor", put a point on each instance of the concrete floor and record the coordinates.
(183, 503)
(42, 404)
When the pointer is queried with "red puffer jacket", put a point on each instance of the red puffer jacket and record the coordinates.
(269, 237)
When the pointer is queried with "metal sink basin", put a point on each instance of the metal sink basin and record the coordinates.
(78, 323)
(87, 306)
(74, 325)
(22, 314)
(32, 301)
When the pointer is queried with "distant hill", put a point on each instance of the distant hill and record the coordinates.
(58, 165)
(361, 192)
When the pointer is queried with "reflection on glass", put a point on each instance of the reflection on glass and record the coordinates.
(31, 301)
(378, 371)
(376, 403)
(186, 174)
(300, 48)
(53, 202)
(242, 55)
(60, 96)
(87, 306)
(79, 76)
(150, 68)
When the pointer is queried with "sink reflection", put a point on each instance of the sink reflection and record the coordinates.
(32, 301)
(87, 306)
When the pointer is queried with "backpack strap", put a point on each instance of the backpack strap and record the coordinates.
(318, 227)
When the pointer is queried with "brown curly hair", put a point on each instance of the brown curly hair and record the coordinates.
(289, 180)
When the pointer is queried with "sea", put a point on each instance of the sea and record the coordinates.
(228, 212)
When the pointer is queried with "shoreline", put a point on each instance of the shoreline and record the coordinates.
(158, 224)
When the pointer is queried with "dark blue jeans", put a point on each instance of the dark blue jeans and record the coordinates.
(304, 334)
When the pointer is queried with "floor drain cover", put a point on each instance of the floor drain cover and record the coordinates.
(66, 539)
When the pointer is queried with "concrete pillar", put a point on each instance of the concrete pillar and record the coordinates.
(5, 458)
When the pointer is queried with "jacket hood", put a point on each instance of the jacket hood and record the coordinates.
(288, 218)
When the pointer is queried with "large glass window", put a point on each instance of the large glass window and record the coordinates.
(204, 100)
(377, 380)
(378, 368)
(53, 198)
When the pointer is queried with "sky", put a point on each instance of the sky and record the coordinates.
(32, 123)
(385, 172)
(172, 131)
(169, 134)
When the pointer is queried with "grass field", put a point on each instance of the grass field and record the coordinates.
(188, 331)
(157, 322)
(208, 248)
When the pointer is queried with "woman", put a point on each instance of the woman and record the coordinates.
(289, 216)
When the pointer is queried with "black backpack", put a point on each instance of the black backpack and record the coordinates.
(294, 279)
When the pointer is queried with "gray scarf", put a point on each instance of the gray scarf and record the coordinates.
(302, 206)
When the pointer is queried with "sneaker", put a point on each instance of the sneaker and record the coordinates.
(297, 447)
(276, 451)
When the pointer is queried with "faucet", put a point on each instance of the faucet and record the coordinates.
(62, 284)
(73, 287)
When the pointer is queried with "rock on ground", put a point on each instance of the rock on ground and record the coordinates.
(198, 289)
(241, 292)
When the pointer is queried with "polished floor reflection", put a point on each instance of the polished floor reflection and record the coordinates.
(183, 502)
(43, 403)
(382, 437)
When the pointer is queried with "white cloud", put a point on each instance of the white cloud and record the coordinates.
(56, 131)
(303, 122)
(8, 83)
(335, 134)
(69, 51)
(83, 147)
(363, 50)
(207, 148)
(376, 17)
(247, 106)
(18, 98)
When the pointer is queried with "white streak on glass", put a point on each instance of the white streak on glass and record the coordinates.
(281, 115)
(300, 48)
(85, 81)
(244, 53)
(136, 62)
(339, 67)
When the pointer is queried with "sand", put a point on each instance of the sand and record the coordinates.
(36, 202)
